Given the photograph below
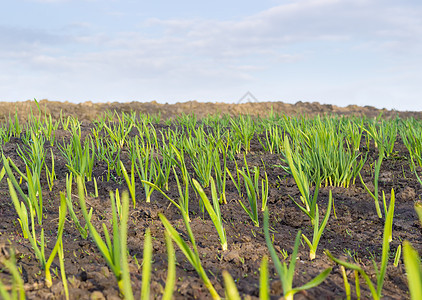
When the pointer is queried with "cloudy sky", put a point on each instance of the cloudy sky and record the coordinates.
(364, 52)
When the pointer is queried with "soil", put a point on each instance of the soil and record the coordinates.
(90, 111)
(355, 235)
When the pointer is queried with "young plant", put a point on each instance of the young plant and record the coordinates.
(244, 129)
(384, 133)
(192, 255)
(124, 266)
(179, 160)
(82, 230)
(346, 283)
(286, 272)
(62, 271)
(237, 183)
(163, 170)
(417, 176)
(146, 266)
(34, 197)
(39, 245)
(50, 175)
(110, 153)
(183, 203)
(375, 195)
(264, 192)
(119, 132)
(397, 256)
(202, 159)
(272, 140)
(171, 268)
(263, 280)
(412, 263)
(231, 290)
(410, 134)
(14, 126)
(376, 290)
(302, 183)
(64, 121)
(130, 182)
(49, 128)
(2, 173)
(213, 211)
(220, 171)
(35, 156)
(318, 230)
(144, 167)
(80, 158)
(252, 197)
(252, 190)
(111, 250)
(17, 287)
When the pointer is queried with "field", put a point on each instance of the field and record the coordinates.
(178, 203)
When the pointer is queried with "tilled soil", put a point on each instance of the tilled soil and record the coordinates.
(90, 111)
(355, 235)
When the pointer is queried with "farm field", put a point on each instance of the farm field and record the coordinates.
(336, 189)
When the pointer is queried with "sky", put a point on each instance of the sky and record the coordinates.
(342, 52)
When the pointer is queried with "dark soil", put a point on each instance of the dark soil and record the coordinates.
(90, 111)
(355, 236)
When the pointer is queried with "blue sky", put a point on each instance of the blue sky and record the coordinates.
(364, 52)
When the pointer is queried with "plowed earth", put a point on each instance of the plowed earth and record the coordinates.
(355, 235)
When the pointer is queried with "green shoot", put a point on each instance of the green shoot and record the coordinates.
(130, 182)
(62, 271)
(237, 183)
(171, 268)
(17, 287)
(146, 266)
(124, 218)
(220, 172)
(412, 262)
(82, 230)
(263, 280)
(62, 218)
(318, 230)
(286, 272)
(252, 198)
(375, 196)
(119, 132)
(213, 211)
(202, 159)
(302, 183)
(397, 256)
(183, 204)
(144, 167)
(346, 282)
(231, 290)
(376, 291)
(51, 175)
(111, 251)
(244, 128)
(192, 255)
(34, 197)
(38, 245)
(2, 173)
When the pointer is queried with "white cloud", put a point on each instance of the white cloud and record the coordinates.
(300, 22)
